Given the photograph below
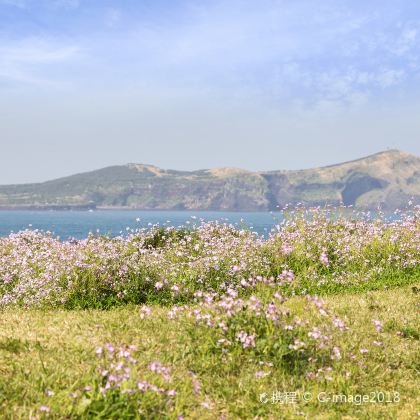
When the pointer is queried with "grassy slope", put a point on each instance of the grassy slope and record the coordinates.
(55, 350)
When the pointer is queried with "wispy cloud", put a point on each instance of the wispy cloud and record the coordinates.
(310, 52)
(31, 61)
(302, 51)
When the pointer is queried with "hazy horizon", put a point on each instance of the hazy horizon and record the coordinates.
(86, 84)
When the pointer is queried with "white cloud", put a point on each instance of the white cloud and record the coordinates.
(317, 51)
(407, 40)
(389, 77)
(284, 52)
(29, 61)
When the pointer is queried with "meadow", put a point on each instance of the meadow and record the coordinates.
(317, 320)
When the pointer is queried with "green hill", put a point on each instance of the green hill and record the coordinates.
(389, 179)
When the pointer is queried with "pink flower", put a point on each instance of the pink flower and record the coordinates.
(261, 374)
(246, 340)
(324, 259)
(145, 311)
(285, 249)
(378, 324)
(157, 367)
(337, 353)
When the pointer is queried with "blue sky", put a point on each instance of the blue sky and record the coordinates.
(265, 84)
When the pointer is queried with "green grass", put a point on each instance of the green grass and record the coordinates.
(53, 352)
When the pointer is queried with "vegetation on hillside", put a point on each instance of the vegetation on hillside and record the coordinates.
(388, 179)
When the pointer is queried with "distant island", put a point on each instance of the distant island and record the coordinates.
(388, 179)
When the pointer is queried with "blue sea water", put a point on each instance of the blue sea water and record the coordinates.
(78, 224)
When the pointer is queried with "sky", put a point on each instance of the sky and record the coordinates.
(183, 84)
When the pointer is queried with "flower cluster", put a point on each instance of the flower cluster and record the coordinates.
(117, 372)
(310, 249)
(271, 332)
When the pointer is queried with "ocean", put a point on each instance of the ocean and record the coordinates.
(78, 224)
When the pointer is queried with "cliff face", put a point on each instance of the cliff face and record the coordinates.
(389, 179)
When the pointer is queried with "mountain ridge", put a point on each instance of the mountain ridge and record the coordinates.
(388, 179)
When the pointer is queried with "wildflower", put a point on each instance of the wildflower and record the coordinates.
(324, 259)
(261, 374)
(222, 325)
(157, 367)
(245, 339)
(44, 408)
(297, 345)
(339, 324)
(278, 296)
(196, 383)
(286, 250)
(337, 353)
(232, 293)
(145, 311)
(378, 324)
(286, 276)
(110, 348)
(143, 386)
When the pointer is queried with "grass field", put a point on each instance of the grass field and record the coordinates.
(48, 358)
(318, 321)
